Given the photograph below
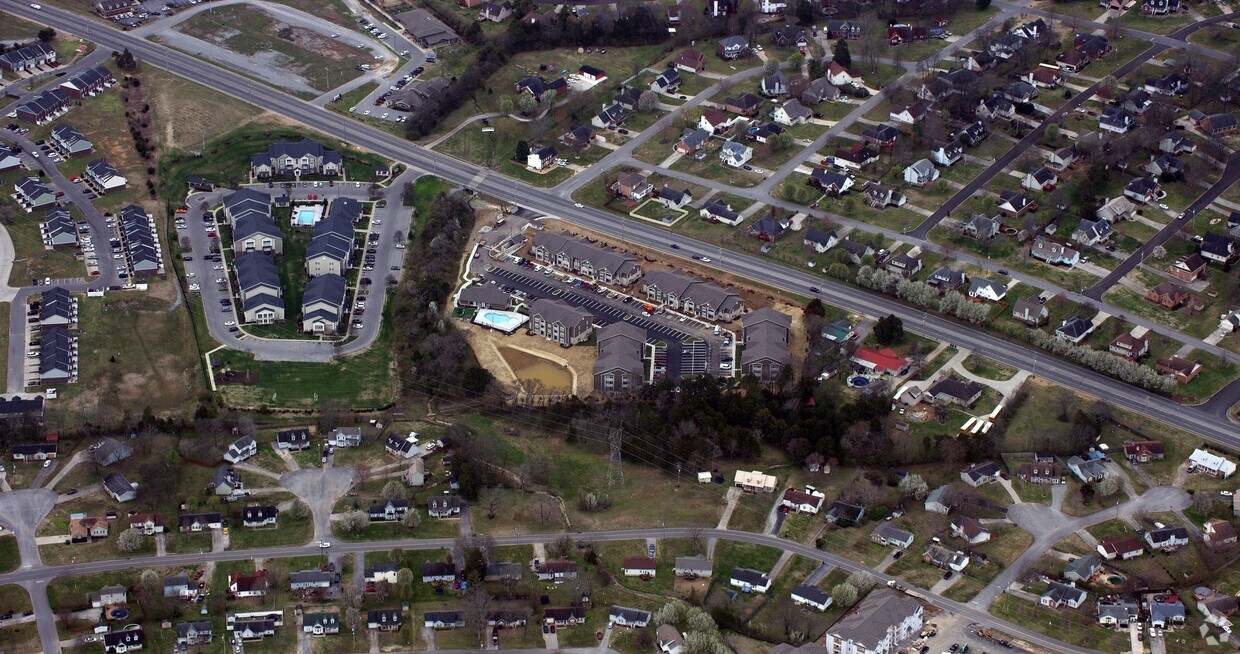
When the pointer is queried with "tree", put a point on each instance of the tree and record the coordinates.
(647, 102)
(861, 580)
(981, 5)
(130, 540)
(795, 60)
(411, 519)
(527, 103)
(844, 594)
(523, 151)
(914, 487)
(770, 66)
(47, 34)
(394, 490)
(1108, 486)
(889, 329)
(1052, 131)
(841, 54)
(778, 142)
(299, 510)
(506, 104)
(354, 521)
(475, 606)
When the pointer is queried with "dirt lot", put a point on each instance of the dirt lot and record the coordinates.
(486, 343)
(184, 111)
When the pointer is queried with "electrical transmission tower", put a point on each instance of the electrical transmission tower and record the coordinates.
(615, 465)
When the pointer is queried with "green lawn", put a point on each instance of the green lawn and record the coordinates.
(9, 556)
(290, 531)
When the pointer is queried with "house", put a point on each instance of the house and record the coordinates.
(1054, 253)
(1210, 464)
(691, 295)
(321, 624)
(44, 108)
(1168, 295)
(1165, 164)
(691, 61)
(920, 173)
(33, 194)
(1218, 533)
(253, 629)
(819, 91)
(147, 523)
(195, 632)
(789, 36)
(950, 390)
(226, 482)
(746, 104)
(1116, 209)
(34, 451)
(775, 84)
(976, 61)
(754, 481)
(579, 256)
(1165, 613)
(883, 361)
(669, 640)
(735, 154)
(791, 112)
(444, 506)
(1040, 473)
(750, 581)
(196, 522)
(1175, 142)
(806, 501)
(878, 624)
(483, 296)
(1217, 608)
(1128, 346)
(28, 57)
(577, 138)
(854, 158)
(1020, 92)
(309, 579)
(838, 75)
(561, 322)
(1217, 248)
(843, 514)
(259, 516)
(831, 182)
(766, 334)
(1044, 77)
(982, 227)
(1218, 125)
(537, 86)
(946, 153)
(946, 279)
(970, 530)
(981, 473)
(563, 617)
(987, 289)
(1116, 120)
(938, 501)
(556, 570)
(389, 511)
(973, 134)
(255, 585)
(88, 83)
(692, 139)
(1061, 159)
(629, 98)
(610, 117)
(903, 264)
(733, 48)
(1059, 595)
(809, 596)
(129, 640)
(540, 157)
(639, 566)
(69, 142)
(84, 529)
(1072, 60)
(668, 81)
(880, 197)
(1082, 568)
(910, 114)
(1144, 451)
(444, 620)
(888, 534)
(692, 566)
(1187, 268)
(345, 437)
(241, 449)
(628, 617)
(1091, 232)
(119, 488)
(331, 245)
(1042, 179)
(400, 446)
(768, 228)
(438, 572)
(259, 287)
(9, 160)
(381, 573)
(1118, 612)
(633, 185)
(945, 559)
(856, 250)
(1166, 538)
(619, 367)
(496, 13)
(296, 159)
(1015, 205)
(1184, 370)
(819, 240)
(385, 619)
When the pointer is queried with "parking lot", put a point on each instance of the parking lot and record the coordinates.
(707, 352)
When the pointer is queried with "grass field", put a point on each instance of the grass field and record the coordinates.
(13, 28)
(322, 62)
(184, 111)
(9, 556)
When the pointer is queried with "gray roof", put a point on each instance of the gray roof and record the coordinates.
(71, 139)
(256, 270)
(810, 593)
(618, 263)
(56, 302)
(1061, 592)
(555, 311)
(247, 201)
(891, 532)
(686, 286)
(750, 576)
(330, 289)
(88, 78)
(255, 224)
(1083, 567)
(867, 625)
(56, 353)
(484, 294)
(696, 563)
(117, 484)
(332, 237)
(620, 348)
(346, 208)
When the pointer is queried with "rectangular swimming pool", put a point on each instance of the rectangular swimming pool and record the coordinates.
(305, 217)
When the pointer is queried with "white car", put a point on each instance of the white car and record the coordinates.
(47, 464)
(335, 36)
(579, 205)
(324, 544)
(35, 6)
(385, 115)
(1163, 206)
(191, 275)
(229, 323)
(705, 259)
(366, 113)
(195, 287)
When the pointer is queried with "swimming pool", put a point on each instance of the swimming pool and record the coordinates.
(305, 217)
(505, 321)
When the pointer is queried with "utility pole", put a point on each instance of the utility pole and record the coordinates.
(615, 464)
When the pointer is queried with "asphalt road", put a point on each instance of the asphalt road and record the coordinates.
(43, 575)
(1231, 174)
(1209, 421)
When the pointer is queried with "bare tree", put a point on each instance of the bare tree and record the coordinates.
(476, 605)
